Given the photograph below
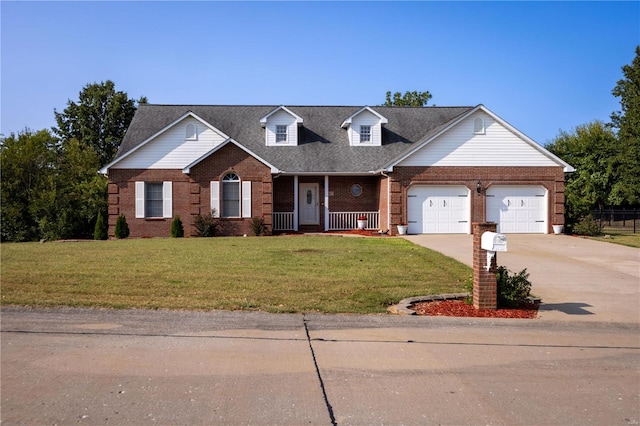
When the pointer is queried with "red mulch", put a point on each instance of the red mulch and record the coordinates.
(459, 308)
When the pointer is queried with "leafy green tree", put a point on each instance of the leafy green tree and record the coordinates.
(627, 122)
(80, 192)
(412, 99)
(593, 150)
(27, 161)
(99, 119)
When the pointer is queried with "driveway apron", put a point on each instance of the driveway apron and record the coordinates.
(578, 279)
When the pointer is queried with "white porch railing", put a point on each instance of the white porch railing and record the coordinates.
(283, 221)
(340, 221)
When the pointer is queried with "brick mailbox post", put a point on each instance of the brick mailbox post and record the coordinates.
(485, 285)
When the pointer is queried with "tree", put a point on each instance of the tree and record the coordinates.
(99, 119)
(100, 231)
(627, 122)
(593, 150)
(412, 99)
(27, 161)
(80, 192)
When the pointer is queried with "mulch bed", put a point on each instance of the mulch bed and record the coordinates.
(459, 308)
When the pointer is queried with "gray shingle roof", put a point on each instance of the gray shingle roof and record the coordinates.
(323, 145)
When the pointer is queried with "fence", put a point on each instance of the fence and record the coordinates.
(618, 220)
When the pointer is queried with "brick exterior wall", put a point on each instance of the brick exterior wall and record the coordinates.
(402, 178)
(191, 193)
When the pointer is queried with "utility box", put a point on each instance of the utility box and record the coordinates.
(492, 241)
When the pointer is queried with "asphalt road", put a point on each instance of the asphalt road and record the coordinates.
(86, 366)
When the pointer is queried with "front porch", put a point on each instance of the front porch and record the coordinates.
(328, 203)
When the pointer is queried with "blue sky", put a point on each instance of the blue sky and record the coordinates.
(542, 66)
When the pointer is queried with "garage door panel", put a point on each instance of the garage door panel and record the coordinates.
(438, 209)
(517, 208)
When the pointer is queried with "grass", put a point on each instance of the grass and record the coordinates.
(273, 274)
(631, 240)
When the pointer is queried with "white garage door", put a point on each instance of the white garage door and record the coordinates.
(438, 209)
(518, 209)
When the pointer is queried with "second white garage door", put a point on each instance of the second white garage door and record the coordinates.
(438, 209)
(518, 208)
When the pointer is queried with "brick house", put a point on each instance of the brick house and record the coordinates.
(317, 168)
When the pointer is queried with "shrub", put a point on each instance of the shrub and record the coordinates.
(512, 290)
(122, 228)
(100, 231)
(207, 225)
(587, 226)
(257, 226)
(177, 230)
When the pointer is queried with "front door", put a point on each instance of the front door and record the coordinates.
(308, 204)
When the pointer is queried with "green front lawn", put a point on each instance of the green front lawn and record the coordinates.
(273, 274)
(631, 240)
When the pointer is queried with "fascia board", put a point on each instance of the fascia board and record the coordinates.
(187, 169)
(105, 169)
(427, 139)
(525, 138)
(346, 123)
(299, 120)
(566, 167)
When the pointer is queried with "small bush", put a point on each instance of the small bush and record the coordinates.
(122, 228)
(512, 290)
(177, 230)
(207, 225)
(257, 226)
(100, 231)
(587, 226)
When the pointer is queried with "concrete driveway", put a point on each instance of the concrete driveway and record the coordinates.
(578, 279)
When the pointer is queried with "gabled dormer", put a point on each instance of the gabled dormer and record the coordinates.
(281, 127)
(365, 127)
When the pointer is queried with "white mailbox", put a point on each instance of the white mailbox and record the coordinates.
(493, 242)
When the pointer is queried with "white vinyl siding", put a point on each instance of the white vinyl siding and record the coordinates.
(364, 119)
(151, 203)
(459, 146)
(173, 149)
(281, 118)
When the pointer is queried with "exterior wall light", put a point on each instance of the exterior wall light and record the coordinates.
(479, 187)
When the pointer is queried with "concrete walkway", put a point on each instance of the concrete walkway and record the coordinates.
(578, 279)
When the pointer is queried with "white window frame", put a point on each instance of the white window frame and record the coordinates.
(478, 126)
(365, 133)
(217, 201)
(191, 132)
(282, 136)
(141, 200)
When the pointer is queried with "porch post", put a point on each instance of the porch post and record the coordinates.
(295, 203)
(326, 202)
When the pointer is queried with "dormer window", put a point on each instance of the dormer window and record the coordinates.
(281, 127)
(365, 134)
(364, 128)
(192, 132)
(281, 133)
(478, 126)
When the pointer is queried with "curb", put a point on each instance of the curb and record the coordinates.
(404, 307)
